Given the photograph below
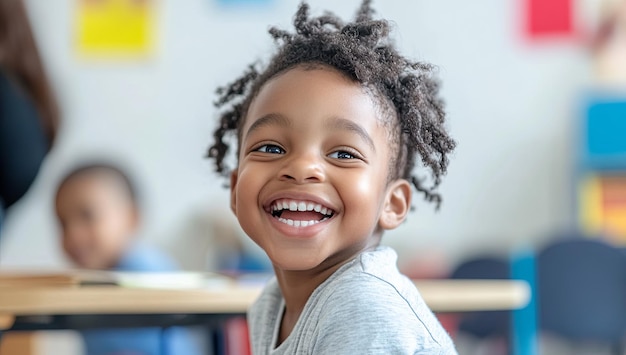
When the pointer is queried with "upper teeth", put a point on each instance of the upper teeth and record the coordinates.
(302, 206)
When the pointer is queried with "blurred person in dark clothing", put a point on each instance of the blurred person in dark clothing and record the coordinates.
(28, 111)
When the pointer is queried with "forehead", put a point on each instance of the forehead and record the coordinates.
(95, 185)
(310, 92)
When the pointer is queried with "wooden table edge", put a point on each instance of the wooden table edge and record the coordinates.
(440, 296)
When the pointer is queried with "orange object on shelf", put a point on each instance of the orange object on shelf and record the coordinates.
(603, 206)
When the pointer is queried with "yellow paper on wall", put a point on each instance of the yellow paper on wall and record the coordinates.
(590, 191)
(111, 28)
(603, 207)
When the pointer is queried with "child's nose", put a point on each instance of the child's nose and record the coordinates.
(303, 168)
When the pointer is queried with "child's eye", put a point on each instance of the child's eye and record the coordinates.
(271, 149)
(342, 154)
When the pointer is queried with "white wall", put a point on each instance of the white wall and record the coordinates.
(510, 104)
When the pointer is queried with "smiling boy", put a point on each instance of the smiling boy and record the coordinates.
(327, 137)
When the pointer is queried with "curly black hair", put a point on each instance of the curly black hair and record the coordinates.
(362, 51)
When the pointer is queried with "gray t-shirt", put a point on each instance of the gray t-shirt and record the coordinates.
(365, 307)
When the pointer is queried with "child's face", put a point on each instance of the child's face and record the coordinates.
(97, 220)
(315, 141)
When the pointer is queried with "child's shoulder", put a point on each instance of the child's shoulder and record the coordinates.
(373, 279)
(372, 272)
(370, 299)
(365, 306)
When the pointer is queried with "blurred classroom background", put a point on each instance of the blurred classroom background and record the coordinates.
(535, 93)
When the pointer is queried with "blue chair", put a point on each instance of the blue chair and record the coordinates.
(484, 324)
(581, 285)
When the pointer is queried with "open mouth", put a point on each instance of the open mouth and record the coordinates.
(300, 213)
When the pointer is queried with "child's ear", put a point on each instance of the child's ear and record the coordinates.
(397, 204)
(233, 189)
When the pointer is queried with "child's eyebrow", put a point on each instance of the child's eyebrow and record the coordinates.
(335, 123)
(338, 123)
(269, 119)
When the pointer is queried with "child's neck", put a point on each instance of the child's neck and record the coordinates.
(297, 286)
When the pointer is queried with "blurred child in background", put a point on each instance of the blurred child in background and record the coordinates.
(97, 209)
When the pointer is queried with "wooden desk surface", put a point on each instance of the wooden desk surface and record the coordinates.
(440, 295)
(474, 295)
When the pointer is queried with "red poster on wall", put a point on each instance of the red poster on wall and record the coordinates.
(549, 18)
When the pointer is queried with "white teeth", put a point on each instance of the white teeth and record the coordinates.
(300, 223)
(300, 206)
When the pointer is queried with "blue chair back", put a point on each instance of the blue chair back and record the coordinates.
(581, 285)
(484, 324)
